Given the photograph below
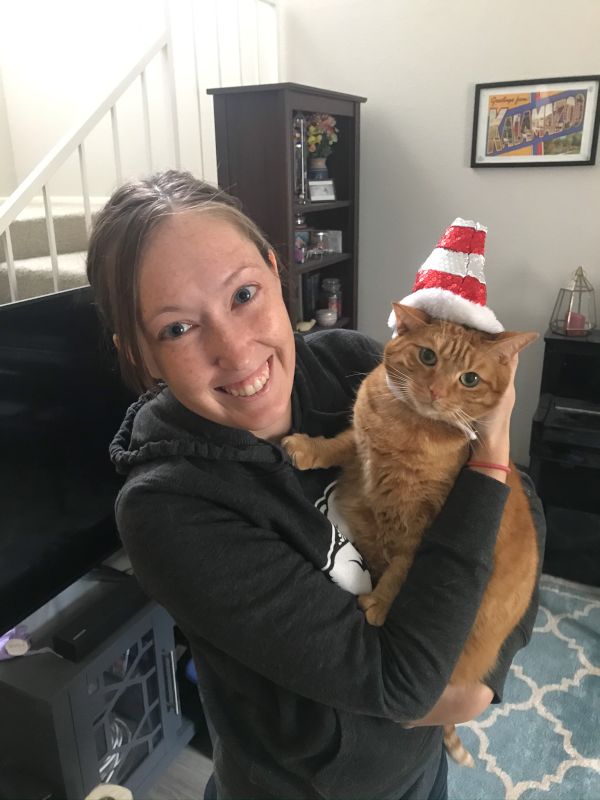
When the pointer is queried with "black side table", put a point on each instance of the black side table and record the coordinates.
(565, 455)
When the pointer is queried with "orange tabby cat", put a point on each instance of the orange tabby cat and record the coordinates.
(413, 417)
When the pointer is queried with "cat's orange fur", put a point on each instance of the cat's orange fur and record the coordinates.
(401, 457)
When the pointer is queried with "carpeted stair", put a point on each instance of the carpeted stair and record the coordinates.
(32, 253)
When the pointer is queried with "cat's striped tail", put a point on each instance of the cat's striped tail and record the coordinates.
(455, 748)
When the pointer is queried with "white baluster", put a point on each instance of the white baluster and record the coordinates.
(116, 144)
(10, 266)
(258, 79)
(218, 43)
(170, 84)
(51, 236)
(146, 110)
(198, 90)
(85, 189)
(239, 36)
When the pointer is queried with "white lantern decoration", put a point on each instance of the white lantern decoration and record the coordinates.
(574, 312)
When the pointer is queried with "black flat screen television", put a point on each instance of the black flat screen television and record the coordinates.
(61, 402)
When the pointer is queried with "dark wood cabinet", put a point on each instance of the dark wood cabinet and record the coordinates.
(255, 154)
(565, 455)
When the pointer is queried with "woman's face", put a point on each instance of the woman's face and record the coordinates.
(215, 327)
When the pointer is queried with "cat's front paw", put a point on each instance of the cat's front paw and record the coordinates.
(376, 610)
(302, 450)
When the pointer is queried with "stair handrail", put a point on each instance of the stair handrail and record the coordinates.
(38, 178)
(55, 158)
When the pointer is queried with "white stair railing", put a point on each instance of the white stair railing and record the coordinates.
(227, 17)
(37, 181)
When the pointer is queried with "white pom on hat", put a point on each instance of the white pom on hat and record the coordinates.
(450, 284)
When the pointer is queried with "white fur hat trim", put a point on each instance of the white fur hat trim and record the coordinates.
(443, 304)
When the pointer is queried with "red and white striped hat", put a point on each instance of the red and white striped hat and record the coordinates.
(450, 284)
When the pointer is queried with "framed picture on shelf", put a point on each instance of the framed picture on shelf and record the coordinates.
(531, 123)
(320, 191)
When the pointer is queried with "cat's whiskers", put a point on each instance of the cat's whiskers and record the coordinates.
(464, 422)
(395, 371)
(357, 374)
(463, 414)
(399, 389)
(398, 384)
(400, 378)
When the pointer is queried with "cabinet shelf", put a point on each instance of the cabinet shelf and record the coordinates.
(309, 208)
(245, 115)
(312, 264)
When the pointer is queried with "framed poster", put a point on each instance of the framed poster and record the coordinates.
(545, 122)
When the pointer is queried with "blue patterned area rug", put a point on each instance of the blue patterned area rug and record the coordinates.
(543, 743)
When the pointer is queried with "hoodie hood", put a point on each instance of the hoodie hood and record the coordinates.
(158, 426)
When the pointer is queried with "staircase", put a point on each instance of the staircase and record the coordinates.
(43, 242)
(31, 251)
(32, 266)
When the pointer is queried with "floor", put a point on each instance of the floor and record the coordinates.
(184, 780)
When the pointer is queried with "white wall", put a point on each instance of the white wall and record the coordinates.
(59, 59)
(417, 62)
(8, 178)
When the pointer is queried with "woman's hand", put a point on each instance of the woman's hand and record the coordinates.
(493, 445)
(457, 704)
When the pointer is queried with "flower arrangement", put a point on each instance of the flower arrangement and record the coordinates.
(321, 135)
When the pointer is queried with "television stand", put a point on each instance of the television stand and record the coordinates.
(113, 715)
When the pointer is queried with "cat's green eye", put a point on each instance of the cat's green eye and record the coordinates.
(427, 357)
(469, 379)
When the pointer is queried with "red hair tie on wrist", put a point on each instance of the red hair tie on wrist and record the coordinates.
(485, 465)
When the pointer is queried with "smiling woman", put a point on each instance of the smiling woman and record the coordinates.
(121, 236)
(214, 325)
(244, 551)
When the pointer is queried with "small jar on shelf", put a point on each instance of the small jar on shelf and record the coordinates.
(318, 240)
(331, 295)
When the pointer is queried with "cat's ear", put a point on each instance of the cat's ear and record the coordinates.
(509, 343)
(408, 318)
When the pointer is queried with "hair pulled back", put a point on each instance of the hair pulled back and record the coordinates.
(120, 234)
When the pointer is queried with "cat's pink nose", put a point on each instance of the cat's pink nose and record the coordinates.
(436, 392)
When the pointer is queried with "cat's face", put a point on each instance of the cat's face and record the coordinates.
(448, 372)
